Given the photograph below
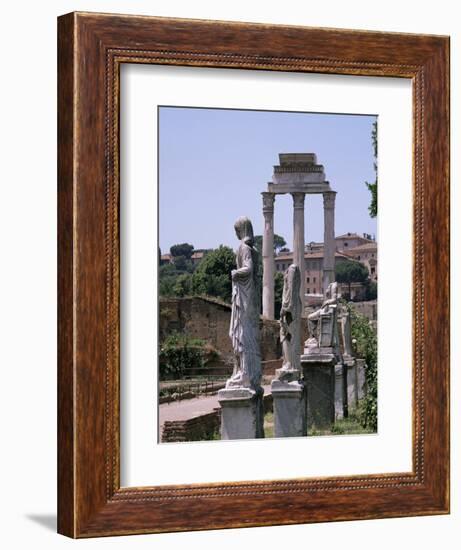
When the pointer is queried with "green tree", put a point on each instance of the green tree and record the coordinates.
(182, 254)
(351, 272)
(181, 263)
(183, 249)
(213, 274)
(182, 285)
(173, 281)
(167, 277)
(371, 290)
(278, 292)
(279, 242)
(373, 187)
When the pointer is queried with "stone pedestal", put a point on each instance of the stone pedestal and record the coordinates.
(319, 377)
(356, 383)
(361, 378)
(242, 413)
(352, 385)
(342, 391)
(289, 398)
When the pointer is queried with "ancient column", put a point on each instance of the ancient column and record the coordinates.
(298, 240)
(268, 255)
(329, 245)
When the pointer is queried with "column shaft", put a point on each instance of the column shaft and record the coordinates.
(298, 241)
(329, 245)
(268, 255)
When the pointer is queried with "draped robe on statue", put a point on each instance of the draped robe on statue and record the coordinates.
(244, 325)
(290, 316)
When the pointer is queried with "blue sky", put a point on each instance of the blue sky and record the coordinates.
(214, 164)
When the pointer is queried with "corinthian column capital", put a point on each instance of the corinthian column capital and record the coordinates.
(329, 199)
(298, 200)
(268, 202)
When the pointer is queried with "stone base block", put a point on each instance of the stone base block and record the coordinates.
(289, 408)
(242, 413)
(361, 379)
(352, 386)
(319, 377)
(356, 382)
(341, 391)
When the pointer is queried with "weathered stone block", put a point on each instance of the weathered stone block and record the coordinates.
(319, 377)
(341, 388)
(352, 386)
(242, 413)
(361, 379)
(289, 400)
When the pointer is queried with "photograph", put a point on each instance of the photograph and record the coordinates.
(229, 236)
(267, 274)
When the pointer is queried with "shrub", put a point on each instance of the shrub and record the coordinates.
(179, 352)
(366, 347)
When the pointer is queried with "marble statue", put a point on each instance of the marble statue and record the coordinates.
(322, 323)
(290, 320)
(244, 325)
(288, 389)
(344, 322)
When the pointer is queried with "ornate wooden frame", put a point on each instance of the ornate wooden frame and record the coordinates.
(91, 49)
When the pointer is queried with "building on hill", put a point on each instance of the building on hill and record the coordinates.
(366, 253)
(198, 256)
(352, 240)
(349, 247)
(313, 267)
(313, 247)
(166, 259)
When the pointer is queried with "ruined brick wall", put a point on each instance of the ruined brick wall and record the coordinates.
(202, 427)
(270, 340)
(198, 428)
(209, 319)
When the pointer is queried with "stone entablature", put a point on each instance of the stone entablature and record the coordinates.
(287, 159)
(297, 185)
(298, 169)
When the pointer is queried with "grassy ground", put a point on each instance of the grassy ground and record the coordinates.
(346, 426)
(269, 424)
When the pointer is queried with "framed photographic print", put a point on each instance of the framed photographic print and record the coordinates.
(253, 275)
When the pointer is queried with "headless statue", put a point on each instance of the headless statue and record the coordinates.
(290, 323)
